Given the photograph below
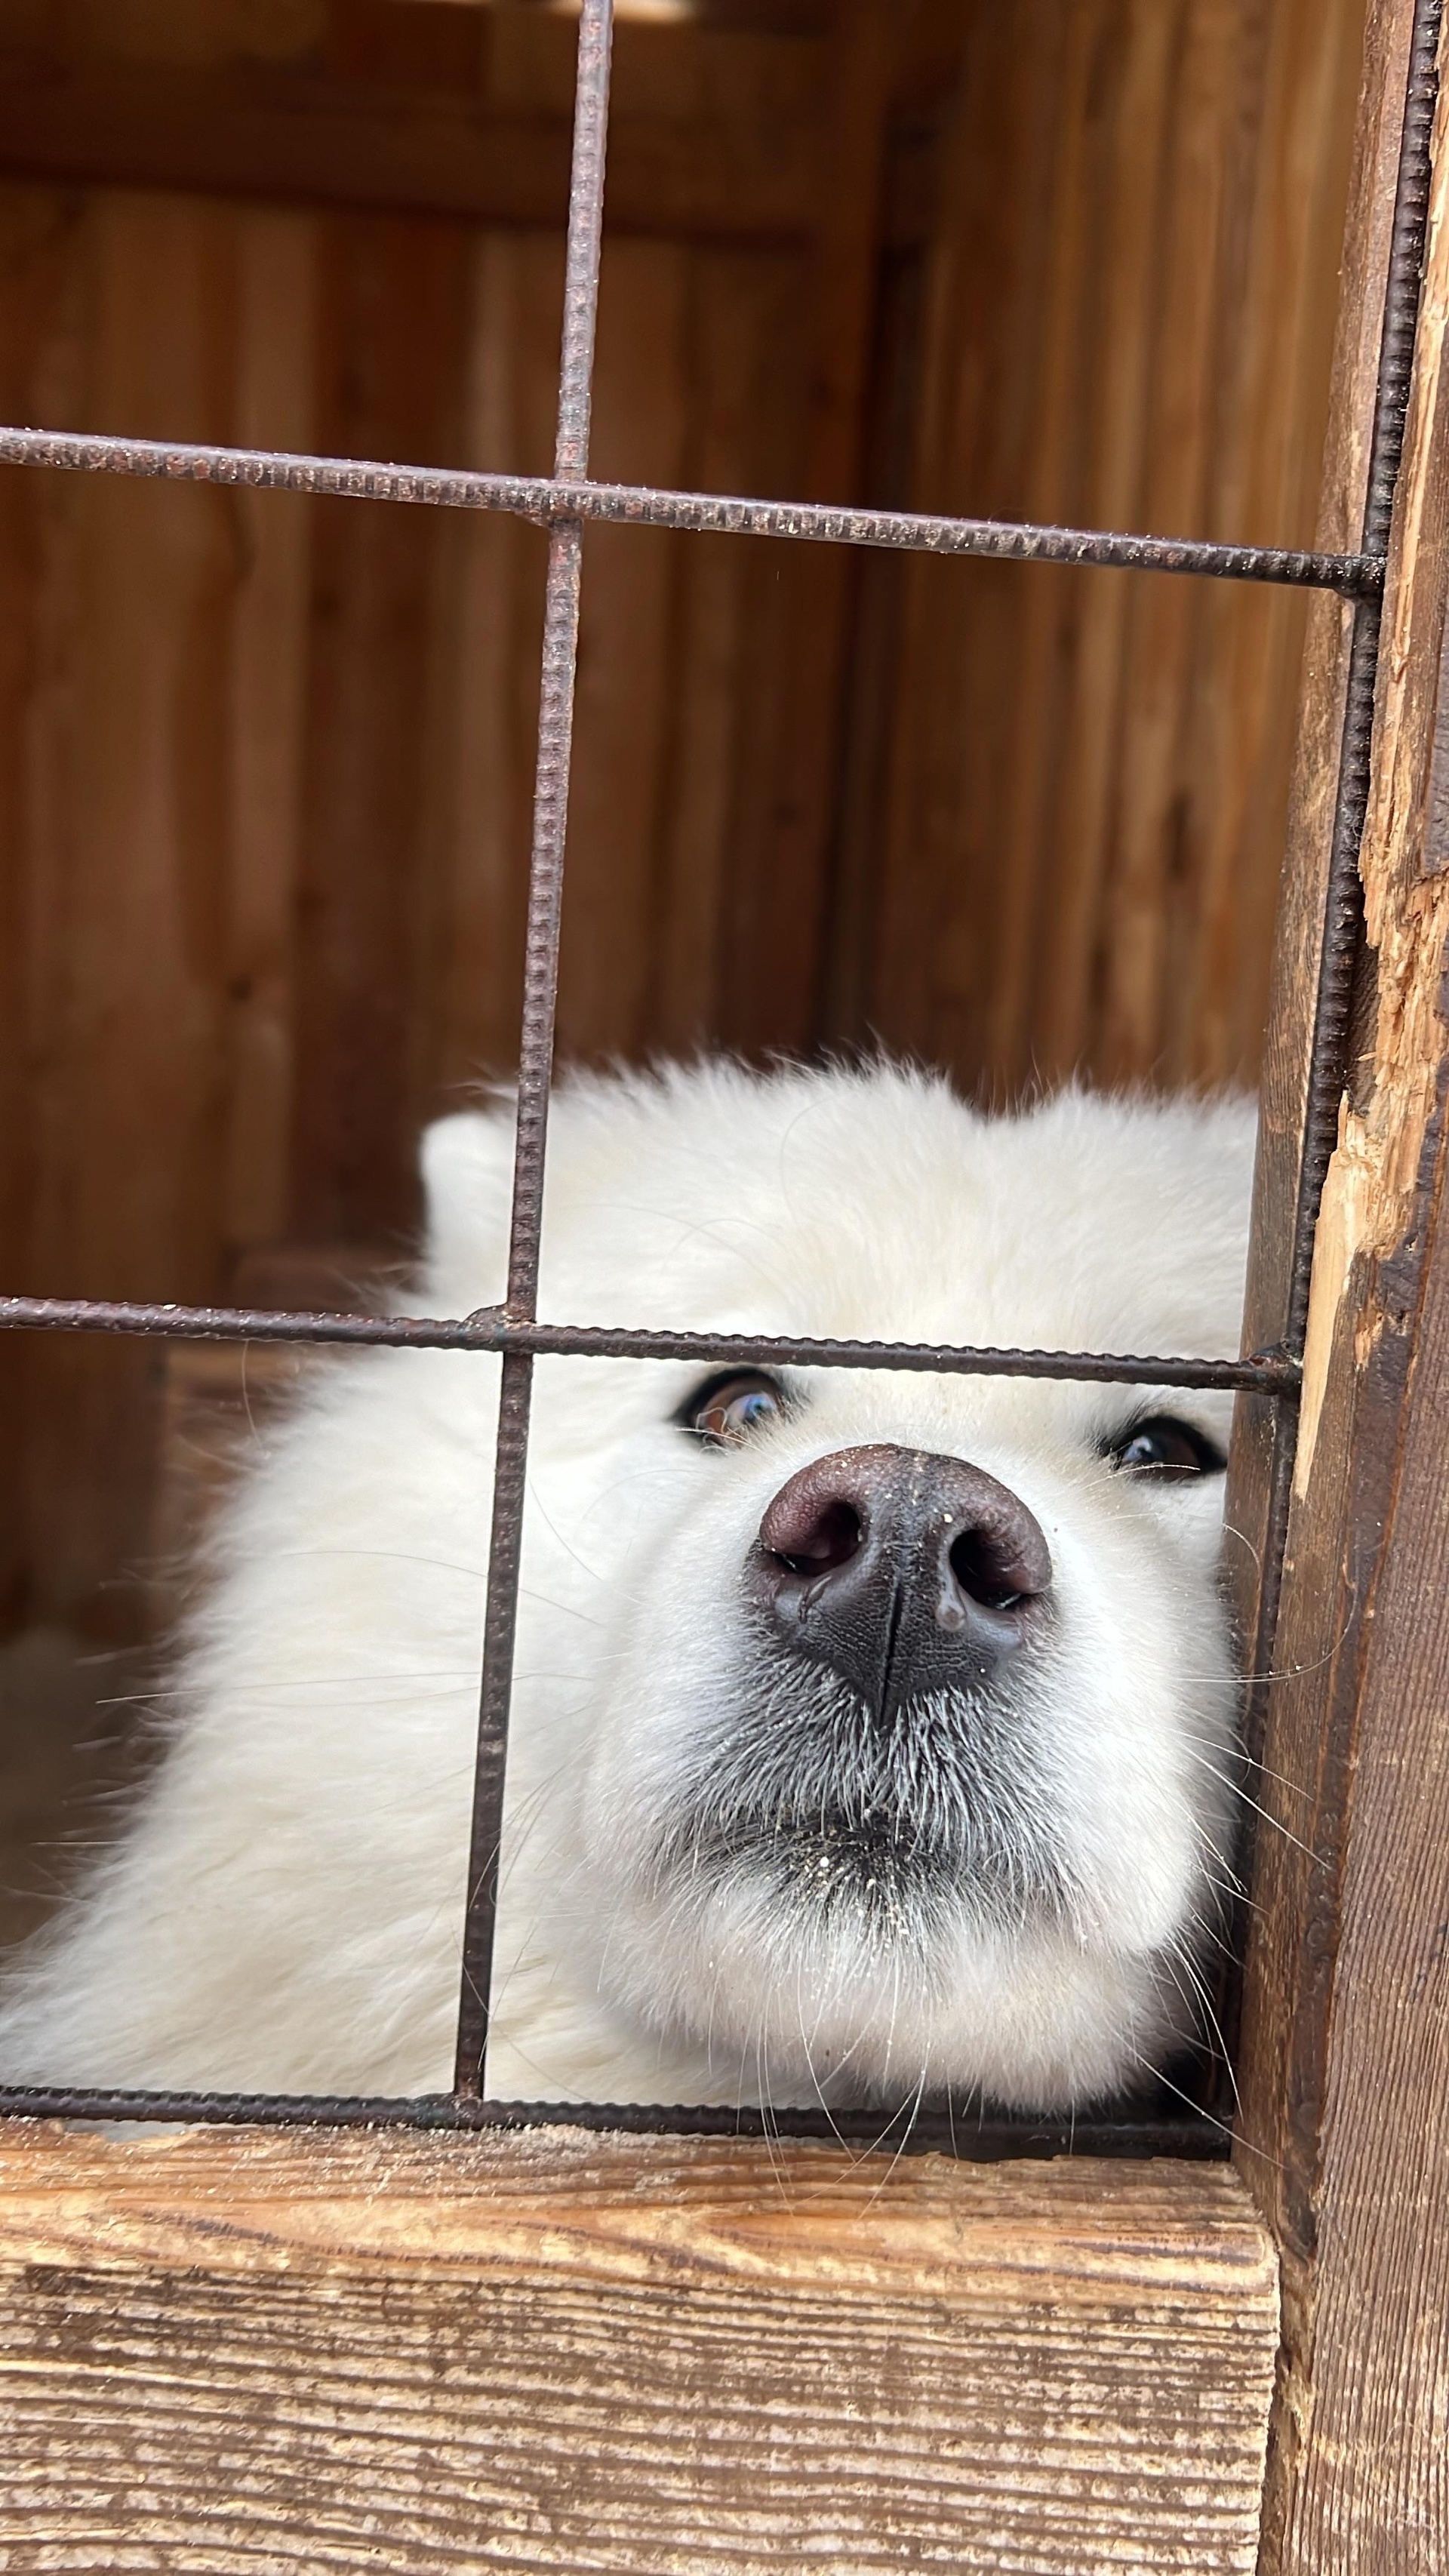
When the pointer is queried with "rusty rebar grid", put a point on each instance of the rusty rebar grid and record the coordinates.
(562, 503)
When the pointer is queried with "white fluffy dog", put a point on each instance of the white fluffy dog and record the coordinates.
(871, 1730)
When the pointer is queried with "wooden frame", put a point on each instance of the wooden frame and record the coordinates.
(755, 2354)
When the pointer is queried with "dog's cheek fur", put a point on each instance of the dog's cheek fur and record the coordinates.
(1143, 1721)
(284, 1907)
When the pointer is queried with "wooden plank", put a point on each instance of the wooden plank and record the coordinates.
(1275, 355)
(276, 331)
(127, 815)
(624, 705)
(1110, 424)
(1129, 322)
(68, 1741)
(1345, 2071)
(737, 325)
(935, 964)
(484, 669)
(731, 691)
(556, 2351)
(261, 103)
(33, 256)
(771, 969)
(1360, 2482)
(1124, 935)
(393, 302)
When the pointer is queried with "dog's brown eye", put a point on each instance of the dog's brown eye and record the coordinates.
(1165, 1447)
(730, 1408)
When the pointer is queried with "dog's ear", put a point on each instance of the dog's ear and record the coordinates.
(467, 1170)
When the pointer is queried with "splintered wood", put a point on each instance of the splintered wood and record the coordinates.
(228, 2351)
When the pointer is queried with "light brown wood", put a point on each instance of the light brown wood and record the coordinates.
(563, 2352)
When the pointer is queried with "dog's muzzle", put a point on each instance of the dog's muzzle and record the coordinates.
(904, 1573)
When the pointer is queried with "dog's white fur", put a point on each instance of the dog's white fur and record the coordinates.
(284, 1909)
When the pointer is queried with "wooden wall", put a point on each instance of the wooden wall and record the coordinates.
(1074, 838)
(265, 764)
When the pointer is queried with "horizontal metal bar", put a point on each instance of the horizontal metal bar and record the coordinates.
(549, 499)
(962, 2134)
(1266, 1372)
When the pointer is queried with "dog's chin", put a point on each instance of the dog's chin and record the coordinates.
(837, 1907)
(853, 1978)
(886, 1887)
(846, 1964)
(801, 1803)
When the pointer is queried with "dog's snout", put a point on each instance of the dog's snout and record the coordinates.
(904, 1571)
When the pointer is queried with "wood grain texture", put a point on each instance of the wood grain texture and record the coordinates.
(777, 929)
(1345, 2071)
(333, 726)
(390, 384)
(564, 2352)
(1130, 323)
(125, 831)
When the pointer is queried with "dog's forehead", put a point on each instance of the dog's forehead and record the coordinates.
(879, 1206)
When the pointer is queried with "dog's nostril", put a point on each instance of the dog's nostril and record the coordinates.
(989, 1570)
(832, 1539)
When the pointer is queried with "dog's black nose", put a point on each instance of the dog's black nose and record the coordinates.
(906, 1573)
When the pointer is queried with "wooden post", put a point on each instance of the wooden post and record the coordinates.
(1345, 2072)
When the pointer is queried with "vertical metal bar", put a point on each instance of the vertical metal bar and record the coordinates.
(536, 1042)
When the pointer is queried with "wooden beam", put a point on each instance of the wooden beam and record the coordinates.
(1345, 2063)
(311, 132)
(559, 2351)
(1283, 1092)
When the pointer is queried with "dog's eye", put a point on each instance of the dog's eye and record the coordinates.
(1165, 1447)
(728, 1409)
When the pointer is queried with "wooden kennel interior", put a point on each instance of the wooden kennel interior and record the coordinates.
(267, 769)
